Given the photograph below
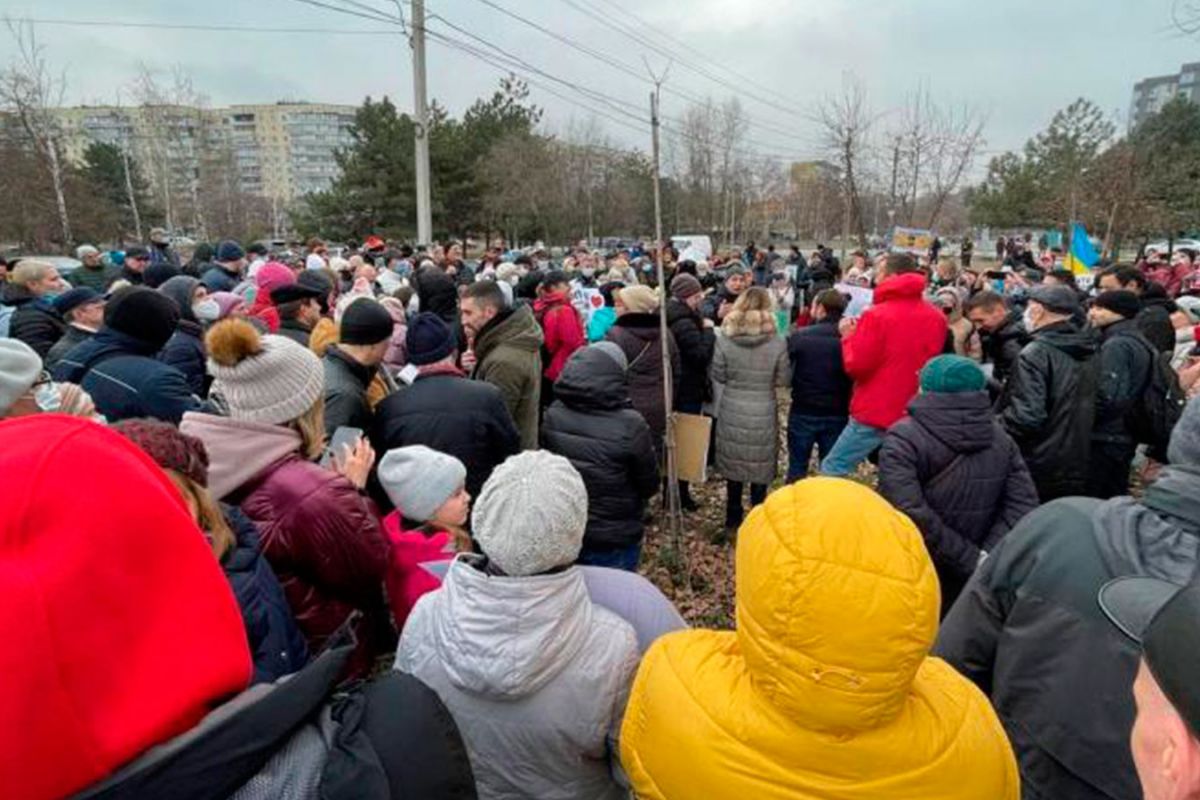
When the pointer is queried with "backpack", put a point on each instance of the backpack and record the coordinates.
(1161, 404)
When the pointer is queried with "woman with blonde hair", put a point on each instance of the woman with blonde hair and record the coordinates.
(319, 530)
(749, 362)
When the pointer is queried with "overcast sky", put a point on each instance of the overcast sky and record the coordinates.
(1016, 60)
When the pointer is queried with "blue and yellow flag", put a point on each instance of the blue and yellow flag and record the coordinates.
(1082, 256)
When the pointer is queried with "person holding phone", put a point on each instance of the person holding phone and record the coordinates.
(318, 529)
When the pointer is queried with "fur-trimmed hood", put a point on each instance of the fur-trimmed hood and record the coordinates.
(748, 323)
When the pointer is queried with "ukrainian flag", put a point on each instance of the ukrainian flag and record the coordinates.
(1082, 256)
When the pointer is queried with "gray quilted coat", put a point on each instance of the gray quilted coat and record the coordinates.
(535, 675)
(746, 368)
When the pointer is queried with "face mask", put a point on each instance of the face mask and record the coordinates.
(588, 272)
(47, 397)
(1027, 320)
(207, 310)
(50, 297)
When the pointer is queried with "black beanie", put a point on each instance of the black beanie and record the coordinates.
(365, 321)
(142, 313)
(429, 339)
(1119, 301)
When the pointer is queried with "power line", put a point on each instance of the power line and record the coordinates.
(93, 23)
(376, 16)
(623, 68)
(615, 103)
(633, 33)
(687, 47)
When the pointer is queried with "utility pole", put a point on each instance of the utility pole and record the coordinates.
(421, 116)
(674, 524)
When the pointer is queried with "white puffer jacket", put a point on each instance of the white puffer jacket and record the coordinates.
(536, 677)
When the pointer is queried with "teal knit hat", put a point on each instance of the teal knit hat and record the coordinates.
(950, 374)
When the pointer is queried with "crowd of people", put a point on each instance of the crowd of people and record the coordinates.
(367, 523)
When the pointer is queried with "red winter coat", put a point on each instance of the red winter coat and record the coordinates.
(321, 535)
(893, 340)
(561, 329)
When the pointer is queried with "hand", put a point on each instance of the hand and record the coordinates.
(847, 326)
(708, 323)
(723, 309)
(355, 465)
(468, 360)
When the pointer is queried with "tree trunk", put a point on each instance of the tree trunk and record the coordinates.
(60, 198)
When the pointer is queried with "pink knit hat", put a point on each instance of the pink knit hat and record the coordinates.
(272, 275)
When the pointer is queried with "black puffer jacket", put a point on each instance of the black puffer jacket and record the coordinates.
(34, 322)
(185, 352)
(1126, 357)
(1029, 632)
(640, 337)
(953, 470)
(276, 644)
(820, 385)
(346, 383)
(695, 344)
(1002, 346)
(592, 424)
(1048, 407)
(463, 418)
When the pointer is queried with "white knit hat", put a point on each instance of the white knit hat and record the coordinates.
(418, 479)
(531, 514)
(266, 379)
(19, 370)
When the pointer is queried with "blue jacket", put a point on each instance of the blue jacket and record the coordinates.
(820, 386)
(185, 352)
(218, 280)
(276, 643)
(125, 380)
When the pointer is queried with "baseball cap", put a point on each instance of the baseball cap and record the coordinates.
(1164, 618)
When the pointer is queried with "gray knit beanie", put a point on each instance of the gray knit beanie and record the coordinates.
(613, 351)
(266, 379)
(1184, 447)
(531, 514)
(19, 370)
(418, 479)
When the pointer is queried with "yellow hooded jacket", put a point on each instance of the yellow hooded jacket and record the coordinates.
(826, 690)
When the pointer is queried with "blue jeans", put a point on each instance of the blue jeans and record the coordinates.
(856, 442)
(625, 558)
(805, 431)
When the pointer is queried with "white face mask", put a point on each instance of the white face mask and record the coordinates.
(588, 272)
(207, 310)
(1027, 320)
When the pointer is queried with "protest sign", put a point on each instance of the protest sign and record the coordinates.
(912, 240)
(861, 298)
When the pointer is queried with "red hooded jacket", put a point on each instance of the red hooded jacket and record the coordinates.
(120, 628)
(561, 329)
(407, 579)
(893, 340)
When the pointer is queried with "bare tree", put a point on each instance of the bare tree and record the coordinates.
(30, 93)
(957, 139)
(846, 122)
(1185, 16)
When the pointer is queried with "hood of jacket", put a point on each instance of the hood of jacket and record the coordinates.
(826, 689)
(1070, 339)
(643, 325)
(549, 301)
(237, 450)
(506, 638)
(593, 381)
(181, 288)
(907, 286)
(962, 421)
(1158, 536)
(516, 328)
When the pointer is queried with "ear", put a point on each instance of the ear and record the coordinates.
(1179, 760)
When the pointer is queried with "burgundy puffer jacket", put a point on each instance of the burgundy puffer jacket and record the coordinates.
(326, 544)
(321, 535)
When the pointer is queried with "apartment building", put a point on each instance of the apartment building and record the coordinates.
(280, 151)
(1151, 94)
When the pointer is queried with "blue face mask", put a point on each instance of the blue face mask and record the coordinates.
(50, 297)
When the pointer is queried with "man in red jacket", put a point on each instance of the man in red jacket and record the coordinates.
(883, 351)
